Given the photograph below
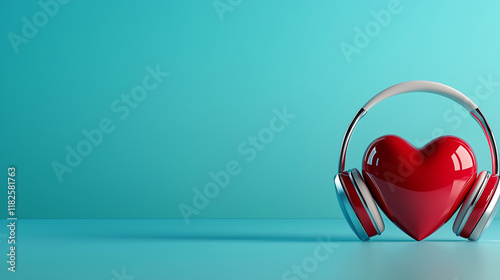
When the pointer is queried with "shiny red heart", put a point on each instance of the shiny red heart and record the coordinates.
(419, 189)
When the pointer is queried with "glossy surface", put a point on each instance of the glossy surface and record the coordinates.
(355, 202)
(480, 207)
(347, 209)
(419, 189)
(470, 200)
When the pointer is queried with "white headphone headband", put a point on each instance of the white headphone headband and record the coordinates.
(431, 87)
(423, 86)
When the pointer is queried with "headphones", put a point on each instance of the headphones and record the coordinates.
(357, 203)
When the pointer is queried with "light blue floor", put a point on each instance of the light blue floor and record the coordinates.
(241, 249)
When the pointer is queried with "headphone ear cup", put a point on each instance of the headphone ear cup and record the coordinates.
(479, 207)
(368, 200)
(358, 205)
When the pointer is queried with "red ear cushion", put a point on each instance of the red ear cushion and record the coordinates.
(480, 206)
(357, 204)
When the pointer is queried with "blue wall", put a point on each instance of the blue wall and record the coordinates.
(257, 92)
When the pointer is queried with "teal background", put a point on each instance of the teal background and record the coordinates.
(226, 77)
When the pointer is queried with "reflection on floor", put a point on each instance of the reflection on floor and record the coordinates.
(241, 249)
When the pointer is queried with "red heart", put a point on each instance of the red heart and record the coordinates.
(419, 189)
